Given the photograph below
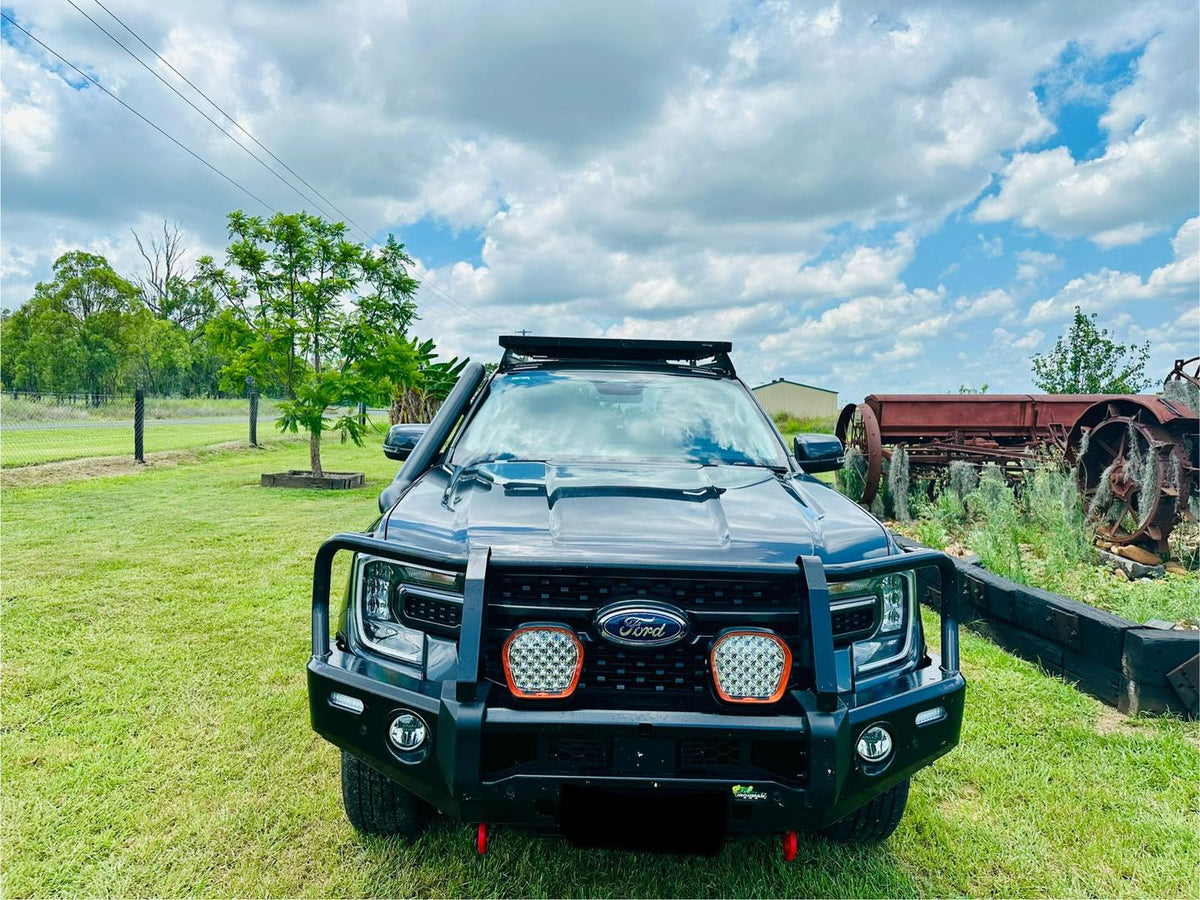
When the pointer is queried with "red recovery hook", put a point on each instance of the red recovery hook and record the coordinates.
(790, 844)
(481, 838)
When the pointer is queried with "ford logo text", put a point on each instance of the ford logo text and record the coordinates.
(635, 624)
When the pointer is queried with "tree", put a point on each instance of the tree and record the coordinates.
(417, 399)
(171, 291)
(321, 317)
(1086, 360)
(72, 334)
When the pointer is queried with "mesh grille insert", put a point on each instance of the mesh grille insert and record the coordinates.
(425, 610)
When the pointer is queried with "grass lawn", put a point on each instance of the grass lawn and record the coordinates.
(155, 734)
(23, 448)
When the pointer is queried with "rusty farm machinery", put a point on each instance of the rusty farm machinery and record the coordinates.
(1135, 456)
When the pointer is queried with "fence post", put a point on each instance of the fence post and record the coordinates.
(139, 424)
(362, 413)
(254, 418)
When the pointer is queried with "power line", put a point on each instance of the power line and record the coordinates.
(427, 283)
(169, 137)
(235, 122)
(437, 290)
(176, 91)
(433, 286)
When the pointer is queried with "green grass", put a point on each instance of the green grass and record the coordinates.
(23, 448)
(156, 739)
(789, 425)
(24, 409)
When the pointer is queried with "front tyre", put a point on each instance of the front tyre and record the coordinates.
(377, 805)
(874, 822)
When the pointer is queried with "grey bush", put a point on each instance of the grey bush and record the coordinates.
(899, 482)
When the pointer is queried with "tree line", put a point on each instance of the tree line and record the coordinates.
(294, 309)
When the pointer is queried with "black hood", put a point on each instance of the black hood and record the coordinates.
(639, 513)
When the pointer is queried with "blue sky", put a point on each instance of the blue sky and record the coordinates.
(899, 197)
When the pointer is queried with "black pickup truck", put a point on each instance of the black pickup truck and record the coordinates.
(604, 600)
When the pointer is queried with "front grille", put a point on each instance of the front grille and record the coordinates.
(595, 591)
(678, 669)
(675, 676)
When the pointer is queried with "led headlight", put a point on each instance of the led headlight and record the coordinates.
(750, 666)
(542, 661)
(377, 611)
(893, 597)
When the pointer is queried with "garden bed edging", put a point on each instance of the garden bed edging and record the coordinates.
(302, 478)
(1130, 666)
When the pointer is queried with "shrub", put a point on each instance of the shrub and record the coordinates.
(899, 483)
(852, 477)
(961, 479)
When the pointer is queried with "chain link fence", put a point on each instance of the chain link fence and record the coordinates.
(41, 428)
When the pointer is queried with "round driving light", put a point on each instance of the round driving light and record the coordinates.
(875, 744)
(407, 732)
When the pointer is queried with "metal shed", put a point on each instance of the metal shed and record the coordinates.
(803, 401)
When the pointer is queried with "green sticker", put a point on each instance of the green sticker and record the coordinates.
(747, 792)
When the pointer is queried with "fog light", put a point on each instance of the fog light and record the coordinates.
(750, 666)
(542, 661)
(875, 744)
(407, 732)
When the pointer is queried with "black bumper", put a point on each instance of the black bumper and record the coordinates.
(490, 762)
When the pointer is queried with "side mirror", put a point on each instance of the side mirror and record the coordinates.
(401, 439)
(818, 452)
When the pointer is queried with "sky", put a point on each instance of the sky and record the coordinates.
(868, 197)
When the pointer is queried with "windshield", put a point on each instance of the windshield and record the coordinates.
(603, 416)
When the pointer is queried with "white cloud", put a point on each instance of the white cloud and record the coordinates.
(760, 171)
(993, 248)
(1147, 176)
(993, 303)
(1108, 289)
(1033, 264)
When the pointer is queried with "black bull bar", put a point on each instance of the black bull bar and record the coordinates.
(461, 709)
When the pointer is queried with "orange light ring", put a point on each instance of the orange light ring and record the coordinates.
(517, 692)
(784, 677)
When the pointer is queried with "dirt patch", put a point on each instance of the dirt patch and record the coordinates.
(967, 803)
(1109, 721)
(109, 466)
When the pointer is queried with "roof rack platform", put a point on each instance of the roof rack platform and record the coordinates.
(536, 348)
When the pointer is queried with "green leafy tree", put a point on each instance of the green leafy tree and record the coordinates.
(323, 318)
(1086, 360)
(417, 399)
(71, 335)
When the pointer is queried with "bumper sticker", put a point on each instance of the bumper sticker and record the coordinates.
(747, 792)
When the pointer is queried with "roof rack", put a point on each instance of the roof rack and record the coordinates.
(712, 355)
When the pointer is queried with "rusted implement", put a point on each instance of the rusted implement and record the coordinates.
(1135, 455)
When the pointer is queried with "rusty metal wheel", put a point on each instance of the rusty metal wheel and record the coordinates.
(1132, 475)
(858, 427)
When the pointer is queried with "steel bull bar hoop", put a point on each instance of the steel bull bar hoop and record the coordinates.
(951, 586)
(359, 543)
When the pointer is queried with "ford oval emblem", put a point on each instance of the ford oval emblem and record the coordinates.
(635, 624)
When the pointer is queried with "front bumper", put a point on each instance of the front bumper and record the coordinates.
(490, 762)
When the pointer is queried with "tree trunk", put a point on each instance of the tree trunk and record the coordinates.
(314, 453)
